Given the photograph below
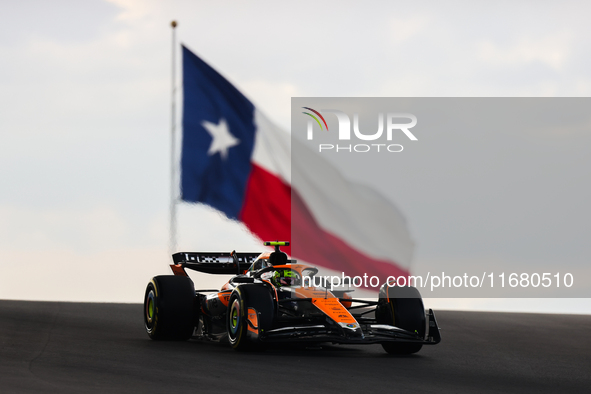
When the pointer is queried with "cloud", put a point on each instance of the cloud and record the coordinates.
(45, 229)
(403, 29)
(115, 275)
(553, 51)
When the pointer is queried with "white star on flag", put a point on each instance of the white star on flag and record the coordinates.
(222, 139)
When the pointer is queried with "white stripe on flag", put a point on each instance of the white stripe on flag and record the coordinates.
(355, 213)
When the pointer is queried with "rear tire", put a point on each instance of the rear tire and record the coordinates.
(169, 312)
(244, 297)
(402, 307)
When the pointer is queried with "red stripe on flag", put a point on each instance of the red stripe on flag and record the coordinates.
(266, 209)
(319, 247)
(266, 212)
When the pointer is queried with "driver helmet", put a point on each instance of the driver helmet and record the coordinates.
(286, 277)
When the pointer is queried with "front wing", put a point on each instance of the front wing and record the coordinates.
(372, 333)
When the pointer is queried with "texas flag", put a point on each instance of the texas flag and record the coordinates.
(235, 160)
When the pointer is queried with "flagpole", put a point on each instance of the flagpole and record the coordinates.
(173, 194)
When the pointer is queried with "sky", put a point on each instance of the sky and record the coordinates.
(85, 112)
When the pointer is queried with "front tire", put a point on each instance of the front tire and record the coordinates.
(169, 312)
(402, 307)
(242, 334)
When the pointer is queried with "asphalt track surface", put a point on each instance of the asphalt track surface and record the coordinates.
(102, 348)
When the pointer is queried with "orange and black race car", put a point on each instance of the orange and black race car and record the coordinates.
(272, 299)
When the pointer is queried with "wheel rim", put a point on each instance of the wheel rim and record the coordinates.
(149, 313)
(234, 318)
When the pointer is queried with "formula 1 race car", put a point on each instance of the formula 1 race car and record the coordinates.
(271, 299)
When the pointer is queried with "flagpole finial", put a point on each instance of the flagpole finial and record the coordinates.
(173, 24)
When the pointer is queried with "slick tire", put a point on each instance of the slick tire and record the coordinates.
(402, 307)
(169, 312)
(257, 297)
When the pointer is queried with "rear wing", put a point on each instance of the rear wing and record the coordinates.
(214, 262)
